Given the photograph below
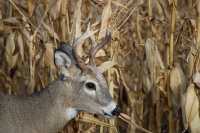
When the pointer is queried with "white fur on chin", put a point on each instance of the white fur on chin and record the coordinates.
(71, 113)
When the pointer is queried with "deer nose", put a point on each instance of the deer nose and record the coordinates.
(116, 111)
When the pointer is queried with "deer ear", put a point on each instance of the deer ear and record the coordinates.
(62, 59)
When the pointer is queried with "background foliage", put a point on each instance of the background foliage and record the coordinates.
(152, 64)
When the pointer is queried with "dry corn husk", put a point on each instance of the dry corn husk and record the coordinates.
(106, 65)
(177, 84)
(55, 9)
(49, 54)
(105, 19)
(31, 6)
(11, 56)
(154, 63)
(76, 27)
(153, 58)
(196, 79)
(20, 43)
(146, 81)
(191, 109)
(190, 60)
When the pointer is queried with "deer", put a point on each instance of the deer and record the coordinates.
(79, 87)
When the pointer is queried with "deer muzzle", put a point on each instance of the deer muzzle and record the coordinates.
(112, 109)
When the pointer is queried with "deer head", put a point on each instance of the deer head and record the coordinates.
(90, 92)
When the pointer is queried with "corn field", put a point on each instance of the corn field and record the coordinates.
(152, 65)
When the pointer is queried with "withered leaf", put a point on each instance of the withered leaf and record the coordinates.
(11, 57)
(20, 43)
(192, 109)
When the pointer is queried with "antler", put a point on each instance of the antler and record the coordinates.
(95, 49)
(78, 44)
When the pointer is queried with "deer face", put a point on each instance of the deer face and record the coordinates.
(95, 94)
(90, 92)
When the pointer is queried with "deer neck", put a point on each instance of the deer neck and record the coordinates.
(57, 97)
(62, 94)
(46, 111)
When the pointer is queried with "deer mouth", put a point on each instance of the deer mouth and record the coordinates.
(112, 109)
(107, 115)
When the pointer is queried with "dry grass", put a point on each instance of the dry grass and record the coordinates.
(152, 65)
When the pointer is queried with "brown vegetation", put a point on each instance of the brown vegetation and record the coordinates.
(152, 65)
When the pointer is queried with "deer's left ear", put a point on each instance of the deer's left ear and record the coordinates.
(61, 59)
(63, 62)
(63, 56)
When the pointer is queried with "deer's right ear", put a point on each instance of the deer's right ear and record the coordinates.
(62, 59)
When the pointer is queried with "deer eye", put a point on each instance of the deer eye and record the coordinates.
(90, 86)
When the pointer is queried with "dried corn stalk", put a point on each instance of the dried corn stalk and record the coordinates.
(192, 109)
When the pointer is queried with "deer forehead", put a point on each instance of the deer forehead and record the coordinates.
(94, 73)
